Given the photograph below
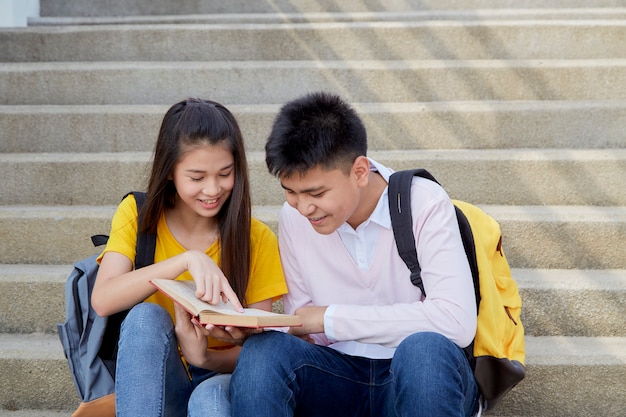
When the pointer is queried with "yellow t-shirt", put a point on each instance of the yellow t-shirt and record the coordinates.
(266, 273)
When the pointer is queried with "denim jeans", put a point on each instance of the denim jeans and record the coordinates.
(281, 375)
(152, 380)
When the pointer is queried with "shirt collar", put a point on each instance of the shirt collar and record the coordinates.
(381, 214)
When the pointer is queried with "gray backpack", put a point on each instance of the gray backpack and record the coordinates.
(90, 341)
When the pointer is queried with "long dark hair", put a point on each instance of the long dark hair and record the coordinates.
(191, 122)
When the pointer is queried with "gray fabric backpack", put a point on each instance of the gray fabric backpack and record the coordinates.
(90, 341)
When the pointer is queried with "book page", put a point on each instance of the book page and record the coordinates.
(185, 291)
(223, 314)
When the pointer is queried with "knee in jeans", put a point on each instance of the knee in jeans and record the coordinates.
(262, 352)
(425, 339)
(147, 311)
(425, 347)
(147, 317)
(214, 390)
(266, 343)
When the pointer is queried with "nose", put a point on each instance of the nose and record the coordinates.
(300, 203)
(305, 206)
(211, 187)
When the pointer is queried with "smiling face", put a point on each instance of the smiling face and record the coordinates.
(204, 178)
(328, 197)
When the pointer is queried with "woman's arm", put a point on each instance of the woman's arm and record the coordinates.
(118, 286)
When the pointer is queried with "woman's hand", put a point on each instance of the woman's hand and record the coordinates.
(192, 339)
(193, 342)
(211, 284)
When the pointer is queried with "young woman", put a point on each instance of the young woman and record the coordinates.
(198, 204)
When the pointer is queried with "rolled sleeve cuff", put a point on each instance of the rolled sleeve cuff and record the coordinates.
(329, 329)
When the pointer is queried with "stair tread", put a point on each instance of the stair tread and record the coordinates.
(362, 108)
(411, 15)
(540, 350)
(162, 82)
(352, 64)
(531, 278)
(200, 23)
(564, 302)
(245, 6)
(604, 154)
(532, 124)
(553, 212)
(34, 413)
(34, 273)
(269, 214)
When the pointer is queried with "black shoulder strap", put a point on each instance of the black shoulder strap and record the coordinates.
(467, 236)
(399, 194)
(402, 223)
(99, 240)
(146, 242)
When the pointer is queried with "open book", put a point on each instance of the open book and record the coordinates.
(223, 314)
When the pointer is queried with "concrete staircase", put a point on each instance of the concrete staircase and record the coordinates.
(518, 106)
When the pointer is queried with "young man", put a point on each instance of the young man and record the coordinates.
(371, 344)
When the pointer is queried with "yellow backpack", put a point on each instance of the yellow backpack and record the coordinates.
(497, 354)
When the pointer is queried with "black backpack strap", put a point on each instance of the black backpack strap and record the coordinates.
(146, 242)
(99, 240)
(470, 249)
(399, 195)
(402, 222)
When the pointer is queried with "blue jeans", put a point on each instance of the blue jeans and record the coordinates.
(152, 380)
(281, 375)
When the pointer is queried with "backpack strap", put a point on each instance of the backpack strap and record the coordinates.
(99, 240)
(146, 242)
(467, 236)
(399, 195)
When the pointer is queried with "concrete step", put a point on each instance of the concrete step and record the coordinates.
(269, 82)
(562, 375)
(468, 40)
(34, 413)
(507, 176)
(602, 13)
(557, 302)
(390, 126)
(546, 237)
(572, 302)
(36, 373)
(167, 7)
(32, 297)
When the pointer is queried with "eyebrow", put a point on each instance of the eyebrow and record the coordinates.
(307, 190)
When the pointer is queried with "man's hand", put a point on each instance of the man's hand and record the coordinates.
(312, 320)
(231, 334)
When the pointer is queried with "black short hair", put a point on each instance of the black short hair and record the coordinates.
(318, 129)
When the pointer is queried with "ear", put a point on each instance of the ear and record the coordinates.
(361, 170)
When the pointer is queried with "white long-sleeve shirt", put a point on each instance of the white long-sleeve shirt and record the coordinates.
(358, 274)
